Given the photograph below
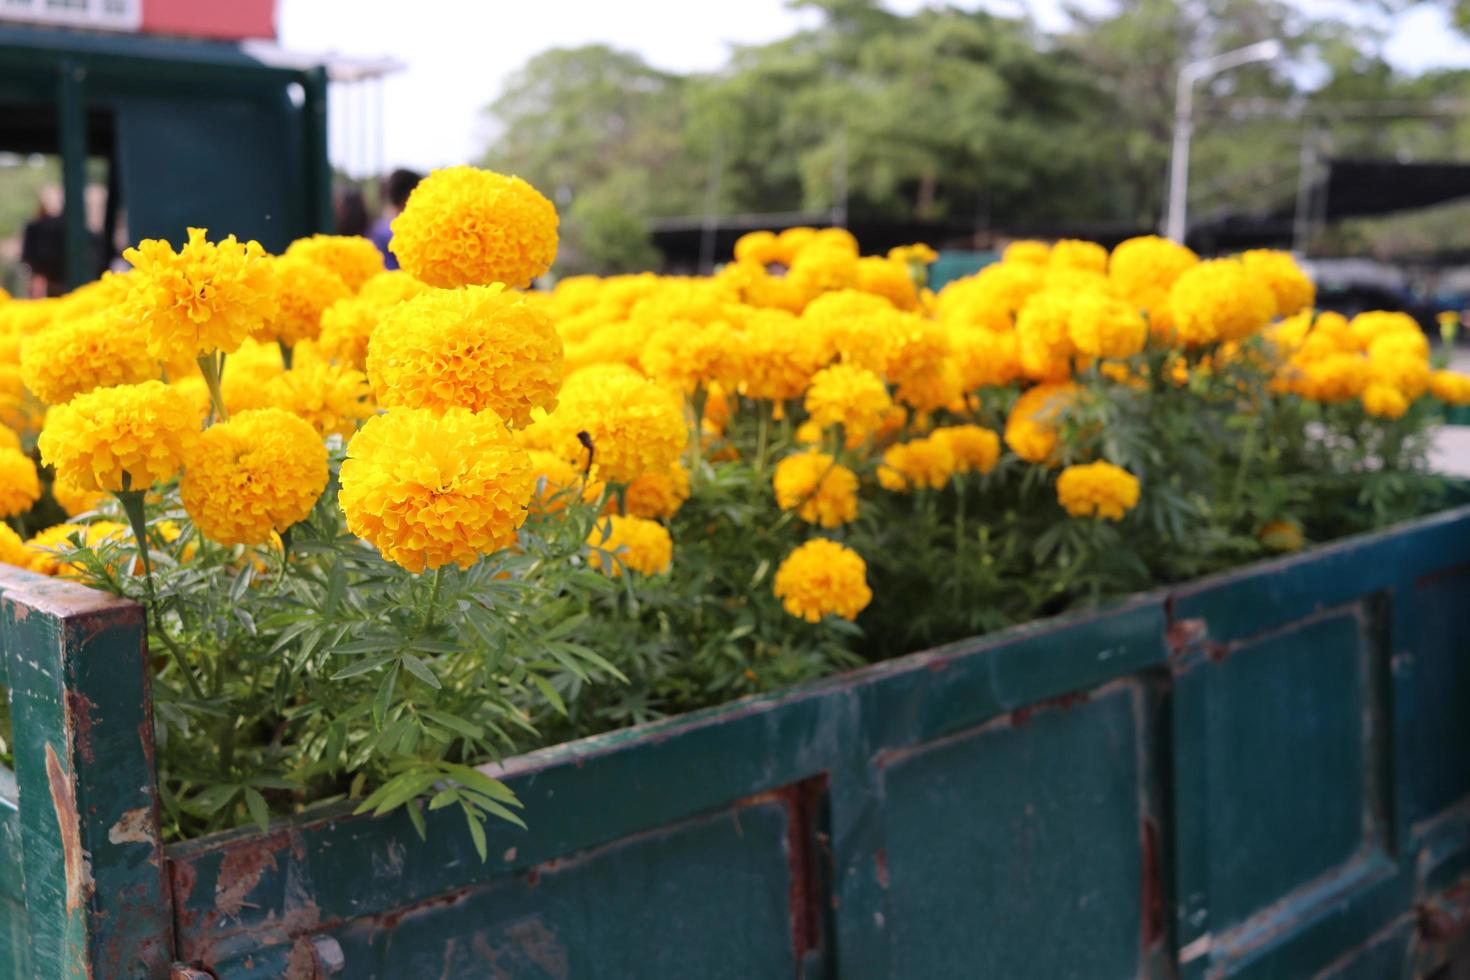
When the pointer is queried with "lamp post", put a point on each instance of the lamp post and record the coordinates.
(1192, 72)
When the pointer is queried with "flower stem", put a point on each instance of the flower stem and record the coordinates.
(132, 505)
(763, 413)
(433, 597)
(212, 369)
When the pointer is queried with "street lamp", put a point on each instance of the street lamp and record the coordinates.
(1192, 72)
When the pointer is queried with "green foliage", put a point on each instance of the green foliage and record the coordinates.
(318, 671)
(964, 115)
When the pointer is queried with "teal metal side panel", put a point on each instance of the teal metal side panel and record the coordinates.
(232, 165)
(1437, 749)
(1027, 847)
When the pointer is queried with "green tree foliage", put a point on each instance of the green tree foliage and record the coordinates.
(965, 115)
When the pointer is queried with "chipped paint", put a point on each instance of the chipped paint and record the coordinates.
(239, 873)
(133, 827)
(75, 861)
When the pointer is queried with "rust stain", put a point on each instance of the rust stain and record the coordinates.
(79, 708)
(239, 872)
(133, 827)
(1152, 913)
(1183, 633)
(1064, 702)
(530, 939)
(804, 864)
(77, 865)
(145, 734)
(301, 964)
(880, 861)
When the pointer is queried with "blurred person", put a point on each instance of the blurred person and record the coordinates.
(43, 246)
(351, 211)
(396, 188)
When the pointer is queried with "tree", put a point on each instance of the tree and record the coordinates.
(600, 124)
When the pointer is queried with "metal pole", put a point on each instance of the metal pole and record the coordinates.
(71, 124)
(1175, 224)
(1174, 215)
(711, 206)
(839, 196)
(1301, 226)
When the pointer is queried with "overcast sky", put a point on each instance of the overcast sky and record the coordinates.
(457, 54)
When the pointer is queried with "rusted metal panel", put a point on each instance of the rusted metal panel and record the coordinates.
(85, 792)
(1251, 776)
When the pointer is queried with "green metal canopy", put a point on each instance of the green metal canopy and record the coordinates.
(195, 133)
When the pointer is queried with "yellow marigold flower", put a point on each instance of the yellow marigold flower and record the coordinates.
(429, 489)
(1289, 285)
(203, 298)
(9, 438)
(13, 550)
(919, 463)
(975, 448)
(463, 226)
(1334, 378)
(128, 437)
(347, 325)
(1031, 428)
(636, 542)
(917, 349)
(18, 410)
(74, 500)
(774, 357)
(387, 289)
(992, 297)
(1144, 269)
(1400, 344)
(1071, 253)
(98, 350)
(1219, 300)
(304, 290)
(758, 246)
(759, 288)
(333, 398)
(479, 347)
(352, 258)
(20, 485)
(41, 549)
(823, 578)
(1369, 326)
(634, 426)
(850, 396)
(687, 355)
(1450, 388)
(1097, 489)
(659, 494)
(916, 254)
(1026, 252)
(1384, 401)
(791, 241)
(1103, 326)
(985, 358)
(889, 279)
(1281, 536)
(247, 371)
(255, 475)
(1406, 372)
(817, 487)
(821, 267)
(936, 389)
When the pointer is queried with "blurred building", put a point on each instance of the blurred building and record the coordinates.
(188, 113)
